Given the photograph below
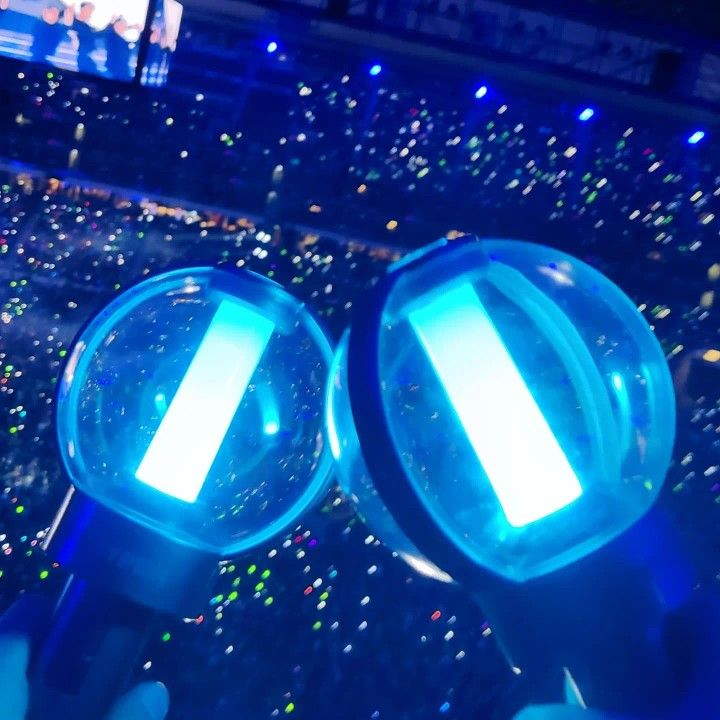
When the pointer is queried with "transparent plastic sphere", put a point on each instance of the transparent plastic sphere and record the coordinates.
(354, 476)
(527, 400)
(193, 404)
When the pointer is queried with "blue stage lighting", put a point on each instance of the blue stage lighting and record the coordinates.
(586, 114)
(481, 92)
(272, 46)
(696, 137)
(376, 69)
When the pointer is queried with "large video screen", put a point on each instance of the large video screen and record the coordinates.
(101, 37)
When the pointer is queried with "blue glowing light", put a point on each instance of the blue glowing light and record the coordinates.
(160, 403)
(190, 434)
(268, 408)
(376, 69)
(624, 410)
(696, 137)
(332, 432)
(481, 92)
(495, 407)
(586, 114)
(271, 47)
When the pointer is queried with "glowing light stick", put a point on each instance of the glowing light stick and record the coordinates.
(502, 415)
(495, 406)
(165, 396)
(194, 427)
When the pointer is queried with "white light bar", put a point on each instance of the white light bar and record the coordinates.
(521, 456)
(190, 434)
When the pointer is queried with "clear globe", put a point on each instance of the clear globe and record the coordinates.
(353, 474)
(527, 400)
(193, 404)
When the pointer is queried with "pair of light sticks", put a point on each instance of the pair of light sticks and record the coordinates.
(493, 407)
(499, 410)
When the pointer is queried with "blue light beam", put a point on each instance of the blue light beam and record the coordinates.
(190, 434)
(521, 456)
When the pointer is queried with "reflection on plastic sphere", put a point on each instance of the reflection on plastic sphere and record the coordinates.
(526, 400)
(193, 404)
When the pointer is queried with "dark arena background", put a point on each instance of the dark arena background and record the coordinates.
(315, 143)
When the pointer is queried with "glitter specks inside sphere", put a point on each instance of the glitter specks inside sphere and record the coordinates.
(526, 400)
(193, 404)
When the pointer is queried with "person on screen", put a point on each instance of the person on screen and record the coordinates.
(156, 61)
(48, 34)
(86, 37)
(118, 49)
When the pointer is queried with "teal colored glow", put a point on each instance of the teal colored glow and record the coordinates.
(160, 403)
(124, 371)
(333, 439)
(594, 394)
(554, 325)
(330, 403)
(188, 439)
(268, 408)
(624, 412)
(495, 407)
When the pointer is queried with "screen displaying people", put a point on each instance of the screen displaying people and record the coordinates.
(164, 34)
(101, 37)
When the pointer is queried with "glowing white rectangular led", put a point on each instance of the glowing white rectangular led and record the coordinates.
(523, 460)
(190, 434)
